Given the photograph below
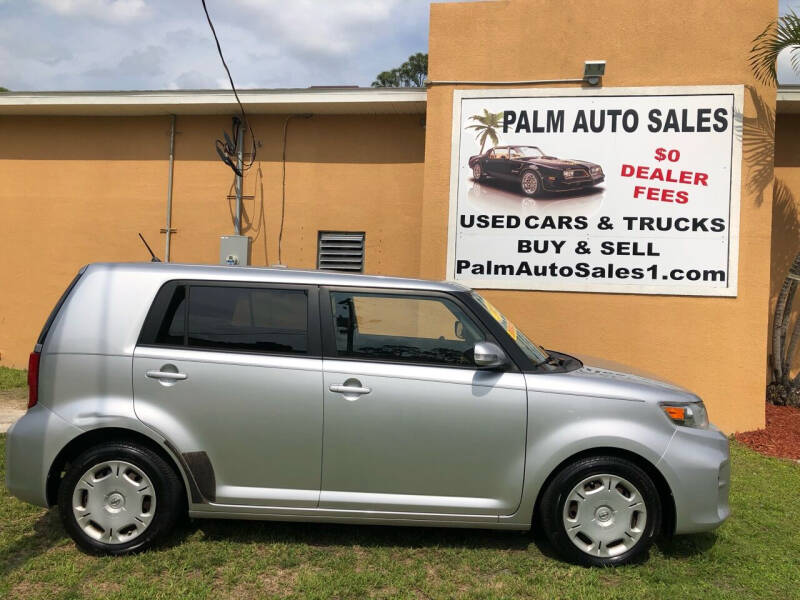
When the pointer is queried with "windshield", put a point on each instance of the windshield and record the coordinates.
(533, 351)
(526, 151)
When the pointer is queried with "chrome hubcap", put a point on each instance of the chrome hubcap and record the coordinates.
(114, 502)
(476, 172)
(529, 183)
(604, 515)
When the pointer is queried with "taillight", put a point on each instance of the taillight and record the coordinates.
(33, 379)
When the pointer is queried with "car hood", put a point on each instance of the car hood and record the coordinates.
(559, 163)
(607, 379)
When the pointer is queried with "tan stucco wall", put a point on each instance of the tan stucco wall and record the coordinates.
(714, 346)
(77, 190)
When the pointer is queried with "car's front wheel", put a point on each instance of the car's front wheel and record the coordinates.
(601, 511)
(477, 172)
(119, 498)
(530, 183)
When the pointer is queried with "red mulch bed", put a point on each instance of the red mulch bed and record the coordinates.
(781, 437)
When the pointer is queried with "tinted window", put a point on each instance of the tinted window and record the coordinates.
(249, 319)
(403, 328)
(173, 327)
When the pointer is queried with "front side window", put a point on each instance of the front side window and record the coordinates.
(400, 328)
(248, 319)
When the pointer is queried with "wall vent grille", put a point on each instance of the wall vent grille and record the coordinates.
(341, 251)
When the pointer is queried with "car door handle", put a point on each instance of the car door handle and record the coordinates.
(166, 375)
(348, 389)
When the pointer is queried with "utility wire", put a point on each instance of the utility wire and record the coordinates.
(233, 87)
(283, 188)
(283, 179)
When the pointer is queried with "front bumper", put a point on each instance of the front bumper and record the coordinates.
(565, 185)
(32, 444)
(697, 467)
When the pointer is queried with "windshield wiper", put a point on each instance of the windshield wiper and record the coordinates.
(550, 360)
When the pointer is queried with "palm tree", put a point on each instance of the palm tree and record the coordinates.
(780, 34)
(486, 127)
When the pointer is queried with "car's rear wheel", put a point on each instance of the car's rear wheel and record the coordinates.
(601, 511)
(119, 498)
(477, 172)
(530, 183)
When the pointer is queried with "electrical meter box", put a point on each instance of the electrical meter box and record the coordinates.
(234, 250)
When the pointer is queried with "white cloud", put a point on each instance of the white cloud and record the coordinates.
(195, 80)
(326, 28)
(119, 11)
(142, 44)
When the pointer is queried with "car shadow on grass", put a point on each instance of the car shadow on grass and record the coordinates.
(332, 535)
(46, 533)
(341, 535)
(685, 546)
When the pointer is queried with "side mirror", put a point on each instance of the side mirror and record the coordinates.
(489, 356)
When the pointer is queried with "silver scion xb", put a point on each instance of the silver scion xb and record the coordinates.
(250, 393)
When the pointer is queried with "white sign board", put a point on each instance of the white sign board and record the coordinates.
(629, 190)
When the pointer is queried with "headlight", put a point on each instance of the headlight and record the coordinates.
(692, 414)
(569, 173)
(596, 169)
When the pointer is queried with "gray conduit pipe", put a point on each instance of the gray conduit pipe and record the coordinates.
(168, 229)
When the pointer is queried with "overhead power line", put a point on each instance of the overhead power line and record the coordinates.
(235, 93)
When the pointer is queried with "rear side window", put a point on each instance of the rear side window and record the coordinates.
(229, 318)
(250, 319)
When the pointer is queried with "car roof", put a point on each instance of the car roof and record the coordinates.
(169, 271)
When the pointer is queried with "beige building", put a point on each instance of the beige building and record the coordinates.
(82, 173)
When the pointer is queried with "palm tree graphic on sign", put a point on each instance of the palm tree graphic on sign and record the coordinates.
(485, 127)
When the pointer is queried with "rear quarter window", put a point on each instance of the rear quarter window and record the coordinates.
(231, 318)
(57, 307)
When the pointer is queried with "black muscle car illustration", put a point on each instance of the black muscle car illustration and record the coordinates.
(533, 170)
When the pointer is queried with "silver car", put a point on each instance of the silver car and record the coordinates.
(252, 393)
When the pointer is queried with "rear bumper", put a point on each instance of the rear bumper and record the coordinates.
(697, 467)
(32, 444)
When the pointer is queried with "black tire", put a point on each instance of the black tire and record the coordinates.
(169, 505)
(552, 509)
(477, 172)
(532, 187)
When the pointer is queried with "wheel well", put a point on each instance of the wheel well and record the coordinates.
(664, 491)
(93, 438)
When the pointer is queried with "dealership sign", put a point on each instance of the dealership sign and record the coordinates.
(630, 190)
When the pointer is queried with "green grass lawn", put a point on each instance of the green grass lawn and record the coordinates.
(755, 555)
(12, 378)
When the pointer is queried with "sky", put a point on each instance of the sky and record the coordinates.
(785, 72)
(166, 44)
